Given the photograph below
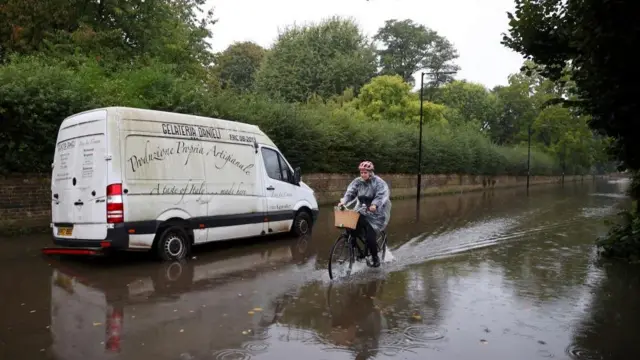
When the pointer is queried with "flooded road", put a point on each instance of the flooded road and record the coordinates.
(494, 275)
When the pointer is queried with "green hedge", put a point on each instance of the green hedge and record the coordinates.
(37, 93)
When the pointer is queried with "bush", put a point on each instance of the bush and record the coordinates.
(623, 239)
(36, 94)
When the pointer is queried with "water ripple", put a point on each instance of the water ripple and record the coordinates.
(424, 333)
(232, 354)
(302, 335)
(577, 352)
(545, 354)
(255, 346)
(393, 350)
(391, 338)
(338, 350)
(261, 333)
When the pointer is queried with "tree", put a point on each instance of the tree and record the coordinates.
(516, 113)
(440, 62)
(474, 102)
(236, 67)
(566, 136)
(591, 40)
(322, 59)
(582, 34)
(409, 47)
(388, 98)
(113, 31)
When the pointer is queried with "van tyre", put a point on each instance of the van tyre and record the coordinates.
(173, 244)
(302, 223)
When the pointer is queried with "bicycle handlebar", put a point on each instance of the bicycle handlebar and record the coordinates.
(359, 207)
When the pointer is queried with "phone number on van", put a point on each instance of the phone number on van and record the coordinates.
(243, 138)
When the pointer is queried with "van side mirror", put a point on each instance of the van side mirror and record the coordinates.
(296, 176)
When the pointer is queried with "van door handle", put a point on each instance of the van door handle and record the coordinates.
(270, 188)
(78, 203)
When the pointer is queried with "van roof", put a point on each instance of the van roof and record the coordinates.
(179, 118)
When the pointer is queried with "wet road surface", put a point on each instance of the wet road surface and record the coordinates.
(494, 275)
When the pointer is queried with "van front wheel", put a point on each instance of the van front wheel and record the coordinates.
(173, 244)
(302, 223)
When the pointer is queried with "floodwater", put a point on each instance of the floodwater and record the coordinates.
(493, 275)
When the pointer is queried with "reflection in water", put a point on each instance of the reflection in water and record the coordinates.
(207, 304)
(355, 321)
(608, 327)
(489, 275)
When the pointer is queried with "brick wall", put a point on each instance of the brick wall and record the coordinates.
(25, 201)
(330, 187)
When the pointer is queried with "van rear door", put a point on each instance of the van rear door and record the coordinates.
(79, 177)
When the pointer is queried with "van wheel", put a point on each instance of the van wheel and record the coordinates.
(173, 244)
(302, 223)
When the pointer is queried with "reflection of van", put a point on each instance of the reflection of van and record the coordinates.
(99, 313)
(133, 179)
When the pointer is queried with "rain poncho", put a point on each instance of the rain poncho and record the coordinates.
(376, 192)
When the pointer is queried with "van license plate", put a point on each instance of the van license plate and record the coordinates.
(65, 231)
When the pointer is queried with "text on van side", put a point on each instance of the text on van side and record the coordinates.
(181, 147)
(192, 131)
(197, 189)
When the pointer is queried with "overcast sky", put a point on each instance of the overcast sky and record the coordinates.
(473, 26)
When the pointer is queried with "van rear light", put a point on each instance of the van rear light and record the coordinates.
(115, 206)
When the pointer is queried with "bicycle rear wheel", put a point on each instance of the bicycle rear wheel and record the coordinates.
(341, 257)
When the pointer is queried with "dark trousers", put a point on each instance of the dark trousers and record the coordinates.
(364, 228)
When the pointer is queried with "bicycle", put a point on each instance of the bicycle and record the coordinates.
(354, 243)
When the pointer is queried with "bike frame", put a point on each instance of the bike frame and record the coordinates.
(360, 247)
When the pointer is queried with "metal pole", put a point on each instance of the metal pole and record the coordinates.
(420, 143)
(529, 159)
(564, 165)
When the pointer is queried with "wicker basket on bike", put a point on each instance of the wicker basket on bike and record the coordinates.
(345, 217)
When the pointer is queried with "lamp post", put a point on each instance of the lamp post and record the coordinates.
(564, 164)
(420, 144)
(422, 74)
(529, 158)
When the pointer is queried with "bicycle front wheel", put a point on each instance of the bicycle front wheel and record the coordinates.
(341, 257)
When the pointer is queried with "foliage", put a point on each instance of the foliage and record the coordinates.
(114, 31)
(409, 47)
(36, 94)
(32, 93)
(579, 39)
(438, 115)
(474, 102)
(315, 91)
(319, 59)
(236, 67)
(623, 238)
(390, 98)
(566, 136)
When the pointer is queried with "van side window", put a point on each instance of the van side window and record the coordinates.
(275, 165)
(272, 164)
(284, 170)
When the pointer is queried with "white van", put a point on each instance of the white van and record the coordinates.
(134, 179)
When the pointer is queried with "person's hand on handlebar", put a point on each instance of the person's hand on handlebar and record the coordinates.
(373, 208)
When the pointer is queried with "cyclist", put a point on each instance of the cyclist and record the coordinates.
(373, 192)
